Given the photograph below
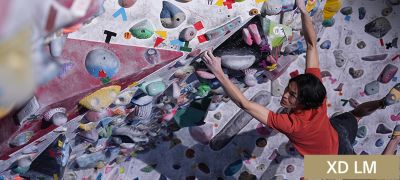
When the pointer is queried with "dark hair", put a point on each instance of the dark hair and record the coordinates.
(311, 91)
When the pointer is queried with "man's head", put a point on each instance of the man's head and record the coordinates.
(305, 92)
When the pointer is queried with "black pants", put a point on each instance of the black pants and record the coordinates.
(346, 126)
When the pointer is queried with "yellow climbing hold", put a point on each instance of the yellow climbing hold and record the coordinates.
(133, 84)
(220, 3)
(121, 170)
(100, 99)
(162, 34)
(259, 1)
(311, 5)
(331, 8)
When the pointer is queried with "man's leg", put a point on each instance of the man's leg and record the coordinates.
(391, 147)
(368, 108)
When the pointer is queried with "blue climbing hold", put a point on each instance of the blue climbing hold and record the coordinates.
(233, 168)
(361, 13)
(326, 44)
(379, 142)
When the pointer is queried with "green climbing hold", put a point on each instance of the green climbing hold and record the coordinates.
(142, 30)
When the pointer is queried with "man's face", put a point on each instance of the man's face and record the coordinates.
(289, 97)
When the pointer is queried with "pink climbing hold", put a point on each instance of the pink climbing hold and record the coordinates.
(395, 117)
(202, 134)
(247, 36)
(255, 33)
(387, 73)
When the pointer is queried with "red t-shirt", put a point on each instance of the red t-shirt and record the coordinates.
(310, 131)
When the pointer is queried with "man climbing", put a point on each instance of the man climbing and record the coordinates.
(307, 124)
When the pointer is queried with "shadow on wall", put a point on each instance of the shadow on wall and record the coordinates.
(201, 162)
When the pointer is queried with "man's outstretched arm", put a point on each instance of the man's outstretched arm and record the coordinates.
(258, 111)
(312, 60)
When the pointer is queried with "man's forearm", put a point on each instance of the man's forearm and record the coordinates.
(308, 30)
(232, 91)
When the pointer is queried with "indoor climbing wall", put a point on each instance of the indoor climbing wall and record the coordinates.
(123, 94)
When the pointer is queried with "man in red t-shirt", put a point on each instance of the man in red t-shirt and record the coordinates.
(307, 124)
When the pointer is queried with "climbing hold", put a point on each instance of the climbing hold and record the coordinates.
(153, 88)
(100, 99)
(353, 103)
(202, 134)
(183, 1)
(237, 62)
(382, 129)
(233, 168)
(148, 168)
(21, 138)
(218, 115)
(247, 36)
(261, 167)
(124, 98)
(378, 27)
(273, 7)
(361, 45)
(253, 12)
(361, 13)
(126, 3)
(362, 132)
(263, 130)
(152, 56)
(189, 153)
(203, 90)
(393, 2)
(387, 73)
(187, 34)
(261, 142)
(144, 100)
(346, 10)
(205, 74)
(176, 166)
(339, 88)
(102, 63)
(379, 142)
(56, 46)
(255, 34)
(339, 58)
(249, 78)
(356, 73)
(141, 114)
(22, 165)
(56, 115)
(142, 30)
(289, 168)
(364, 153)
(378, 57)
(247, 176)
(171, 16)
(393, 95)
(204, 168)
(387, 11)
(90, 136)
(326, 44)
(326, 74)
(371, 88)
(347, 40)
(215, 84)
(328, 22)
